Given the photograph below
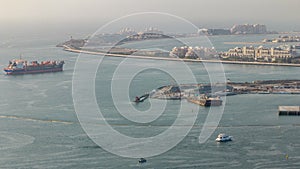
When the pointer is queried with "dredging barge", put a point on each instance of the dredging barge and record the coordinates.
(206, 101)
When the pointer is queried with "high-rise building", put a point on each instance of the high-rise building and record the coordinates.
(249, 29)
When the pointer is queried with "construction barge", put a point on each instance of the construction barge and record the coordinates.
(206, 101)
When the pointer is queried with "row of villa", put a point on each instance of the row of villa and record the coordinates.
(260, 53)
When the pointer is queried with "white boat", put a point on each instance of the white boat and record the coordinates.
(223, 138)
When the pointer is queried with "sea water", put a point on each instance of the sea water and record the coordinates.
(39, 127)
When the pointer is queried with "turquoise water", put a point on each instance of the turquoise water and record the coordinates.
(39, 127)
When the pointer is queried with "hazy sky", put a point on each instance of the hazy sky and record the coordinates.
(276, 14)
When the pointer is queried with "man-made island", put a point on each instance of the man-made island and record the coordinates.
(210, 94)
(113, 45)
(158, 55)
(174, 92)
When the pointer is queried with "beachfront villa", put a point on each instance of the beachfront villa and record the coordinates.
(260, 53)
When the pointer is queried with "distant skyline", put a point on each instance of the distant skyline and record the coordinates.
(279, 15)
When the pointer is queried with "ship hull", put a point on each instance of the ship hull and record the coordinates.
(34, 70)
(23, 72)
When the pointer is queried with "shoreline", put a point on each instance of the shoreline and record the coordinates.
(69, 49)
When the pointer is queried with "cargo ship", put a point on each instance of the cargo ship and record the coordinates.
(20, 67)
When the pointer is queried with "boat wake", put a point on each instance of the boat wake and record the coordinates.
(10, 140)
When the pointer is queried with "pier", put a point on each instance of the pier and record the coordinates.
(289, 110)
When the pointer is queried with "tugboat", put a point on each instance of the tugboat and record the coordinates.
(142, 160)
(142, 98)
(19, 66)
(223, 138)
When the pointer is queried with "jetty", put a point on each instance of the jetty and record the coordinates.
(289, 110)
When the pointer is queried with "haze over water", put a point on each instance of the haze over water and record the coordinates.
(39, 126)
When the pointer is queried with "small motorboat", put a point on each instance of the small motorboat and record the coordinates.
(223, 138)
(137, 99)
(141, 99)
(142, 160)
